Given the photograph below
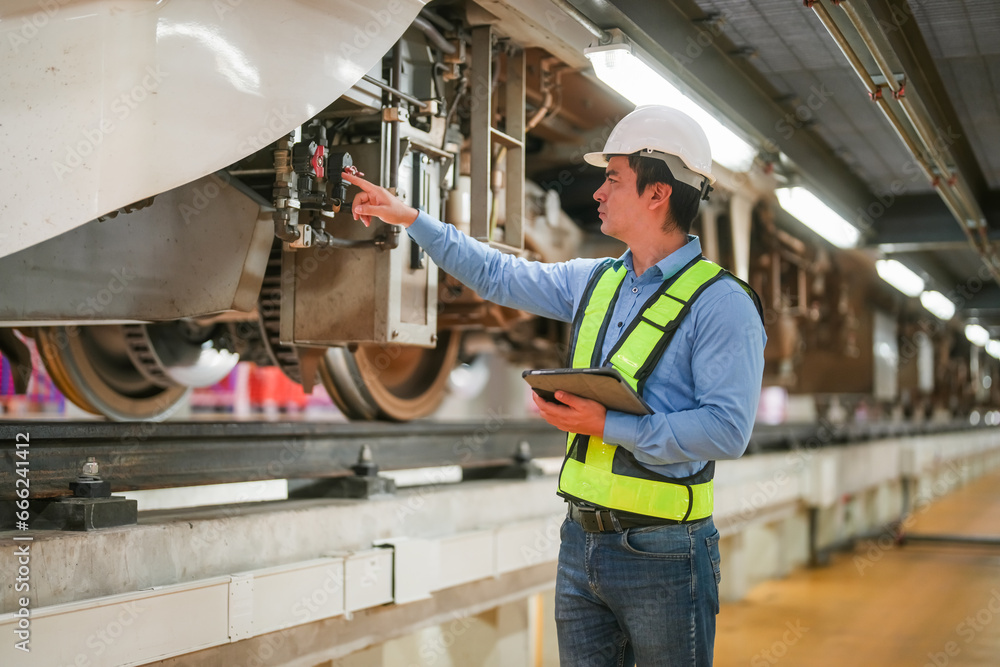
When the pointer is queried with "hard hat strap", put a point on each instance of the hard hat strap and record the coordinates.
(705, 190)
(679, 169)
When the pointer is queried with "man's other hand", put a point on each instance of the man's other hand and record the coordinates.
(374, 201)
(577, 415)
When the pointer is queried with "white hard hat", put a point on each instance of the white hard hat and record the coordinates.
(664, 133)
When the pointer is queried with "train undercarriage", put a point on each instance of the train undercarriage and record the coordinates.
(473, 117)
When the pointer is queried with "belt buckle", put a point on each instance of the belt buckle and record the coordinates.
(587, 517)
(596, 513)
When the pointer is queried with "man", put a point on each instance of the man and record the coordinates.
(639, 561)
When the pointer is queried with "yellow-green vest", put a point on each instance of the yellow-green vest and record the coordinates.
(608, 476)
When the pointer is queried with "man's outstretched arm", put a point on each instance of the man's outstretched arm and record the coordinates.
(549, 290)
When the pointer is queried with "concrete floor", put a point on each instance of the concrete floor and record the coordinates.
(882, 604)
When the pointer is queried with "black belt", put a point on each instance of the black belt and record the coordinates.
(594, 520)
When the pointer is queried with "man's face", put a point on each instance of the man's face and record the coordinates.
(620, 207)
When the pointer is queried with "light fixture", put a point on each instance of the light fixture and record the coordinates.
(977, 335)
(818, 217)
(635, 76)
(938, 304)
(900, 276)
(993, 349)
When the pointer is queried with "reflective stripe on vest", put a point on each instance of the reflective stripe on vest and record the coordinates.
(606, 475)
(595, 313)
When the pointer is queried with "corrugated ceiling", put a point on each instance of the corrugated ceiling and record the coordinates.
(797, 56)
(964, 40)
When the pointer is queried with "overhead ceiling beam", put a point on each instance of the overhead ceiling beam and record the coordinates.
(983, 304)
(668, 35)
(912, 223)
(933, 266)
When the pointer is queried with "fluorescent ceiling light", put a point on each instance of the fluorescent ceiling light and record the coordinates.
(938, 304)
(899, 276)
(993, 349)
(818, 217)
(977, 335)
(627, 70)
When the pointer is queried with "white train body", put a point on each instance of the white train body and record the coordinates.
(106, 103)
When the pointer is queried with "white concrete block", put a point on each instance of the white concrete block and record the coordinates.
(288, 595)
(909, 461)
(416, 567)
(124, 630)
(367, 579)
(528, 543)
(821, 486)
(751, 489)
(467, 557)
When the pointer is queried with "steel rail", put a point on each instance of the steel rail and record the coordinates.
(150, 455)
(161, 455)
(950, 538)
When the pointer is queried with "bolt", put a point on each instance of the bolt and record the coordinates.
(366, 466)
(90, 468)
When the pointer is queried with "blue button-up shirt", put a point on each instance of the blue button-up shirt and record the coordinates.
(704, 390)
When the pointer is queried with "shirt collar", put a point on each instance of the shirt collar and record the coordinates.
(670, 264)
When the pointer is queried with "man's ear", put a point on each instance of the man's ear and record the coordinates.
(659, 196)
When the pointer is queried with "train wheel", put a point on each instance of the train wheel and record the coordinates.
(390, 381)
(130, 372)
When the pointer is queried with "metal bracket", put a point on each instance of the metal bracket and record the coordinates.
(71, 513)
(342, 487)
(366, 482)
(90, 507)
(241, 590)
(523, 467)
(305, 239)
(395, 115)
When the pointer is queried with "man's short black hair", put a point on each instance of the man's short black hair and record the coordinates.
(684, 199)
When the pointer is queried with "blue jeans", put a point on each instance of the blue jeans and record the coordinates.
(647, 596)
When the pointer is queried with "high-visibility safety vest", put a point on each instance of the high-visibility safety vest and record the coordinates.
(608, 476)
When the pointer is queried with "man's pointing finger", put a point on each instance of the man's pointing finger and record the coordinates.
(370, 188)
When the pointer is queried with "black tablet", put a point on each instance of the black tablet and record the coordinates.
(604, 385)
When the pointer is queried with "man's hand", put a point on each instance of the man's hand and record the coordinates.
(579, 415)
(378, 202)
